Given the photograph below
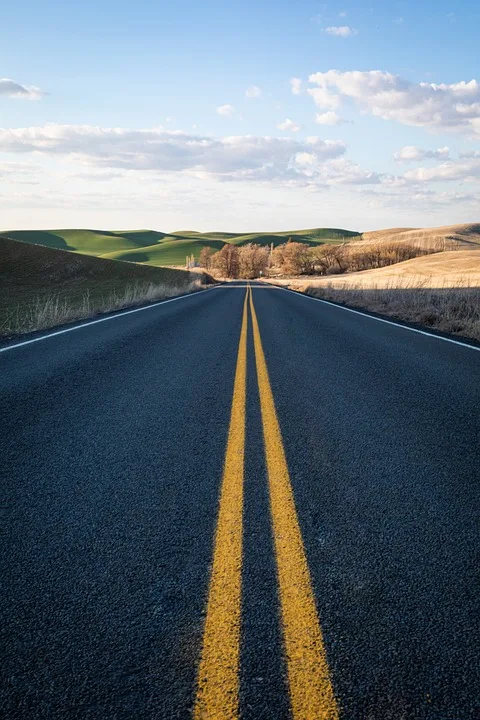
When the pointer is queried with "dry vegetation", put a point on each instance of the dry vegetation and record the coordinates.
(440, 291)
(439, 270)
(430, 277)
(452, 309)
(47, 311)
(294, 258)
(248, 261)
(439, 239)
(44, 287)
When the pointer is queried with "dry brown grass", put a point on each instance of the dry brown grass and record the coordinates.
(42, 287)
(440, 291)
(449, 237)
(47, 311)
(453, 310)
(439, 270)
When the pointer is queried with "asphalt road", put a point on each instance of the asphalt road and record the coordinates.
(113, 447)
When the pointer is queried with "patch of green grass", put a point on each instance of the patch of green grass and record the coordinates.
(150, 247)
(171, 252)
(87, 242)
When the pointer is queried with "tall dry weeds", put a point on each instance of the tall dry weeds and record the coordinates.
(52, 310)
(453, 310)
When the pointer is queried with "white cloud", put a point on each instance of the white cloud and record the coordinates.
(97, 175)
(305, 158)
(410, 153)
(10, 88)
(296, 85)
(323, 98)
(340, 31)
(343, 172)
(454, 107)
(226, 110)
(470, 154)
(253, 92)
(230, 158)
(344, 13)
(289, 125)
(462, 170)
(398, 21)
(329, 118)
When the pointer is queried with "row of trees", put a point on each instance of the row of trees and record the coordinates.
(248, 261)
(294, 258)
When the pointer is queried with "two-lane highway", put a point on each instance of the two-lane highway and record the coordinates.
(240, 504)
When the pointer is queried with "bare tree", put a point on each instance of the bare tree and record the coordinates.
(253, 260)
(330, 259)
(226, 261)
(205, 258)
(293, 258)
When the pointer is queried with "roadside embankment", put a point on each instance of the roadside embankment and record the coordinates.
(440, 291)
(43, 287)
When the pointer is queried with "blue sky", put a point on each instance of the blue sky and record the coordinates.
(239, 115)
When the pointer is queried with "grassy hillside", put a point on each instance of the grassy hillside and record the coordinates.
(168, 252)
(440, 291)
(88, 242)
(449, 237)
(44, 286)
(156, 248)
(449, 269)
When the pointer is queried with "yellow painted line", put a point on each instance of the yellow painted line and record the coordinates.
(311, 691)
(218, 675)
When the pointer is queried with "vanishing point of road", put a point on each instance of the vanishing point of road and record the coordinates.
(243, 503)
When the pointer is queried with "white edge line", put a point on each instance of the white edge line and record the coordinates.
(99, 320)
(383, 320)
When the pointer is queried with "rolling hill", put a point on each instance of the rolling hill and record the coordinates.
(150, 247)
(448, 237)
(35, 278)
(87, 242)
(448, 269)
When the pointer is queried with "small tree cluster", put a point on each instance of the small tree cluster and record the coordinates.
(205, 258)
(294, 258)
(253, 260)
(248, 261)
(299, 259)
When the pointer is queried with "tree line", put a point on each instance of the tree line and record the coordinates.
(294, 258)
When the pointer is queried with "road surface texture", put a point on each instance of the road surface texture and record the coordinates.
(240, 504)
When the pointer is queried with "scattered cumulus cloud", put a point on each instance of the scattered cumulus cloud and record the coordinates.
(296, 85)
(289, 125)
(459, 170)
(232, 158)
(343, 31)
(410, 153)
(441, 107)
(117, 154)
(12, 89)
(329, 118)
(253, 92)
(344, 172)
(226, 110)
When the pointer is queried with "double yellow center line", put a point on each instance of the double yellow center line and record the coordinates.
(310, 687)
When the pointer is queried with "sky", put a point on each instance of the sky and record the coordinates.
(240, 115)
